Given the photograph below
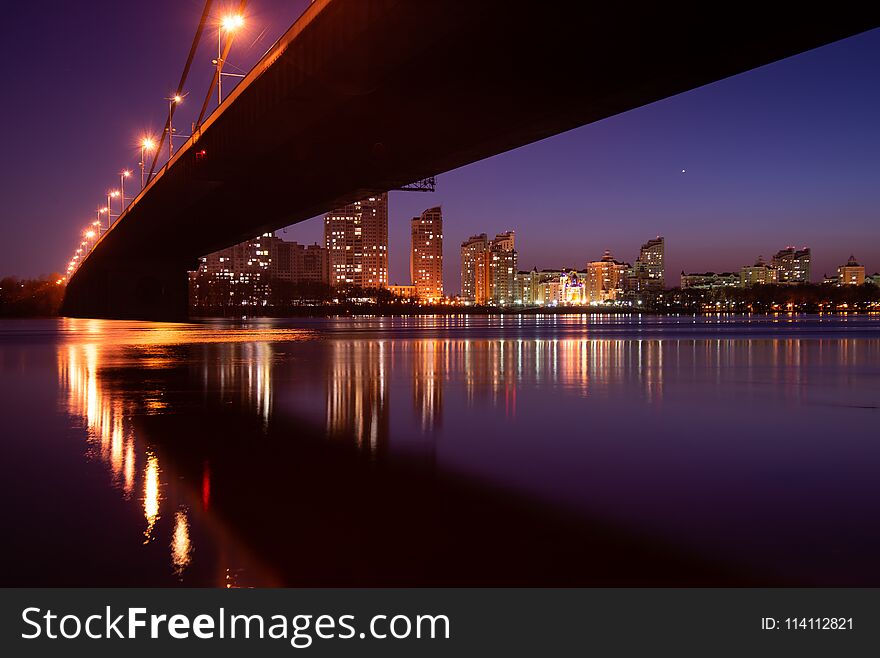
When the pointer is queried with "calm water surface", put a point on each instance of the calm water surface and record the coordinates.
(559, 450)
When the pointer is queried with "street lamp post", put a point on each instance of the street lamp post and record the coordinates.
(112, 194)
(174, 100)
(147, 144)
(229, 24)
(122, 176)
(101, 211)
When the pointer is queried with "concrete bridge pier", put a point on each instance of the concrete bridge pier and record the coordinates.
(135, 289)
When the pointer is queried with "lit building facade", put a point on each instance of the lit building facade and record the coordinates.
(793, 265)
(236, 276)
(759, 274)
(243, 274)
(473, 267)
(605, 278)
(551, 288)
(426, 254)
(573, 289)
(851, 274)
(648, 272)
(410, 292)
(710, 280)
(489, 270)
(501, 270)
(299, 263)
(356, 237)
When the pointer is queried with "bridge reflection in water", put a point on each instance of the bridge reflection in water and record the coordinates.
(320, 455)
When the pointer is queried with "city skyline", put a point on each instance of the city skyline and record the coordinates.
(788, 149)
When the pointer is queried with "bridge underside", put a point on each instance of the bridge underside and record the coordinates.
(362, 96)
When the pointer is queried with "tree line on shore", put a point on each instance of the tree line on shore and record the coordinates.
(805, 297)
(40, 297)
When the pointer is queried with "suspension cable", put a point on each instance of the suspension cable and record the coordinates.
(218, 71)
(189, 60)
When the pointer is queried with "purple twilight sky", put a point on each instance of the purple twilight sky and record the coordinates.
(788, 154)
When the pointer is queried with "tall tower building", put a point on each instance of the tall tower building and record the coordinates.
(647, 273)
(501, 267)
(488, 269)
(473, 274)
(356, 236)
(651, 260)
(426, 254)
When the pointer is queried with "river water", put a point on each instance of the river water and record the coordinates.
(507, 450)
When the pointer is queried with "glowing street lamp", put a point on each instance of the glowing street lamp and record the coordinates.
(147, 144)
(111, 194)
(125, 173)
(177, 99)
(100, 212)
(229, 24)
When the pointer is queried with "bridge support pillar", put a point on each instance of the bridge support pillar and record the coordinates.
(130, 290)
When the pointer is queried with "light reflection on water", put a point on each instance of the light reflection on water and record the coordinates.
(108, 411)
(683, 435)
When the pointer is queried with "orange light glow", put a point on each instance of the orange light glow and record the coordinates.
(232, 22)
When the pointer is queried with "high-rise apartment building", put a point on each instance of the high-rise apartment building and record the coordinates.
(793, 265)
(501, 270)
(243, 274)
(235, 276)
(356, 237)
(605, 278)
(473, 261)
(648, 272)
(488, 269)
(426, 254)
(299, 263)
